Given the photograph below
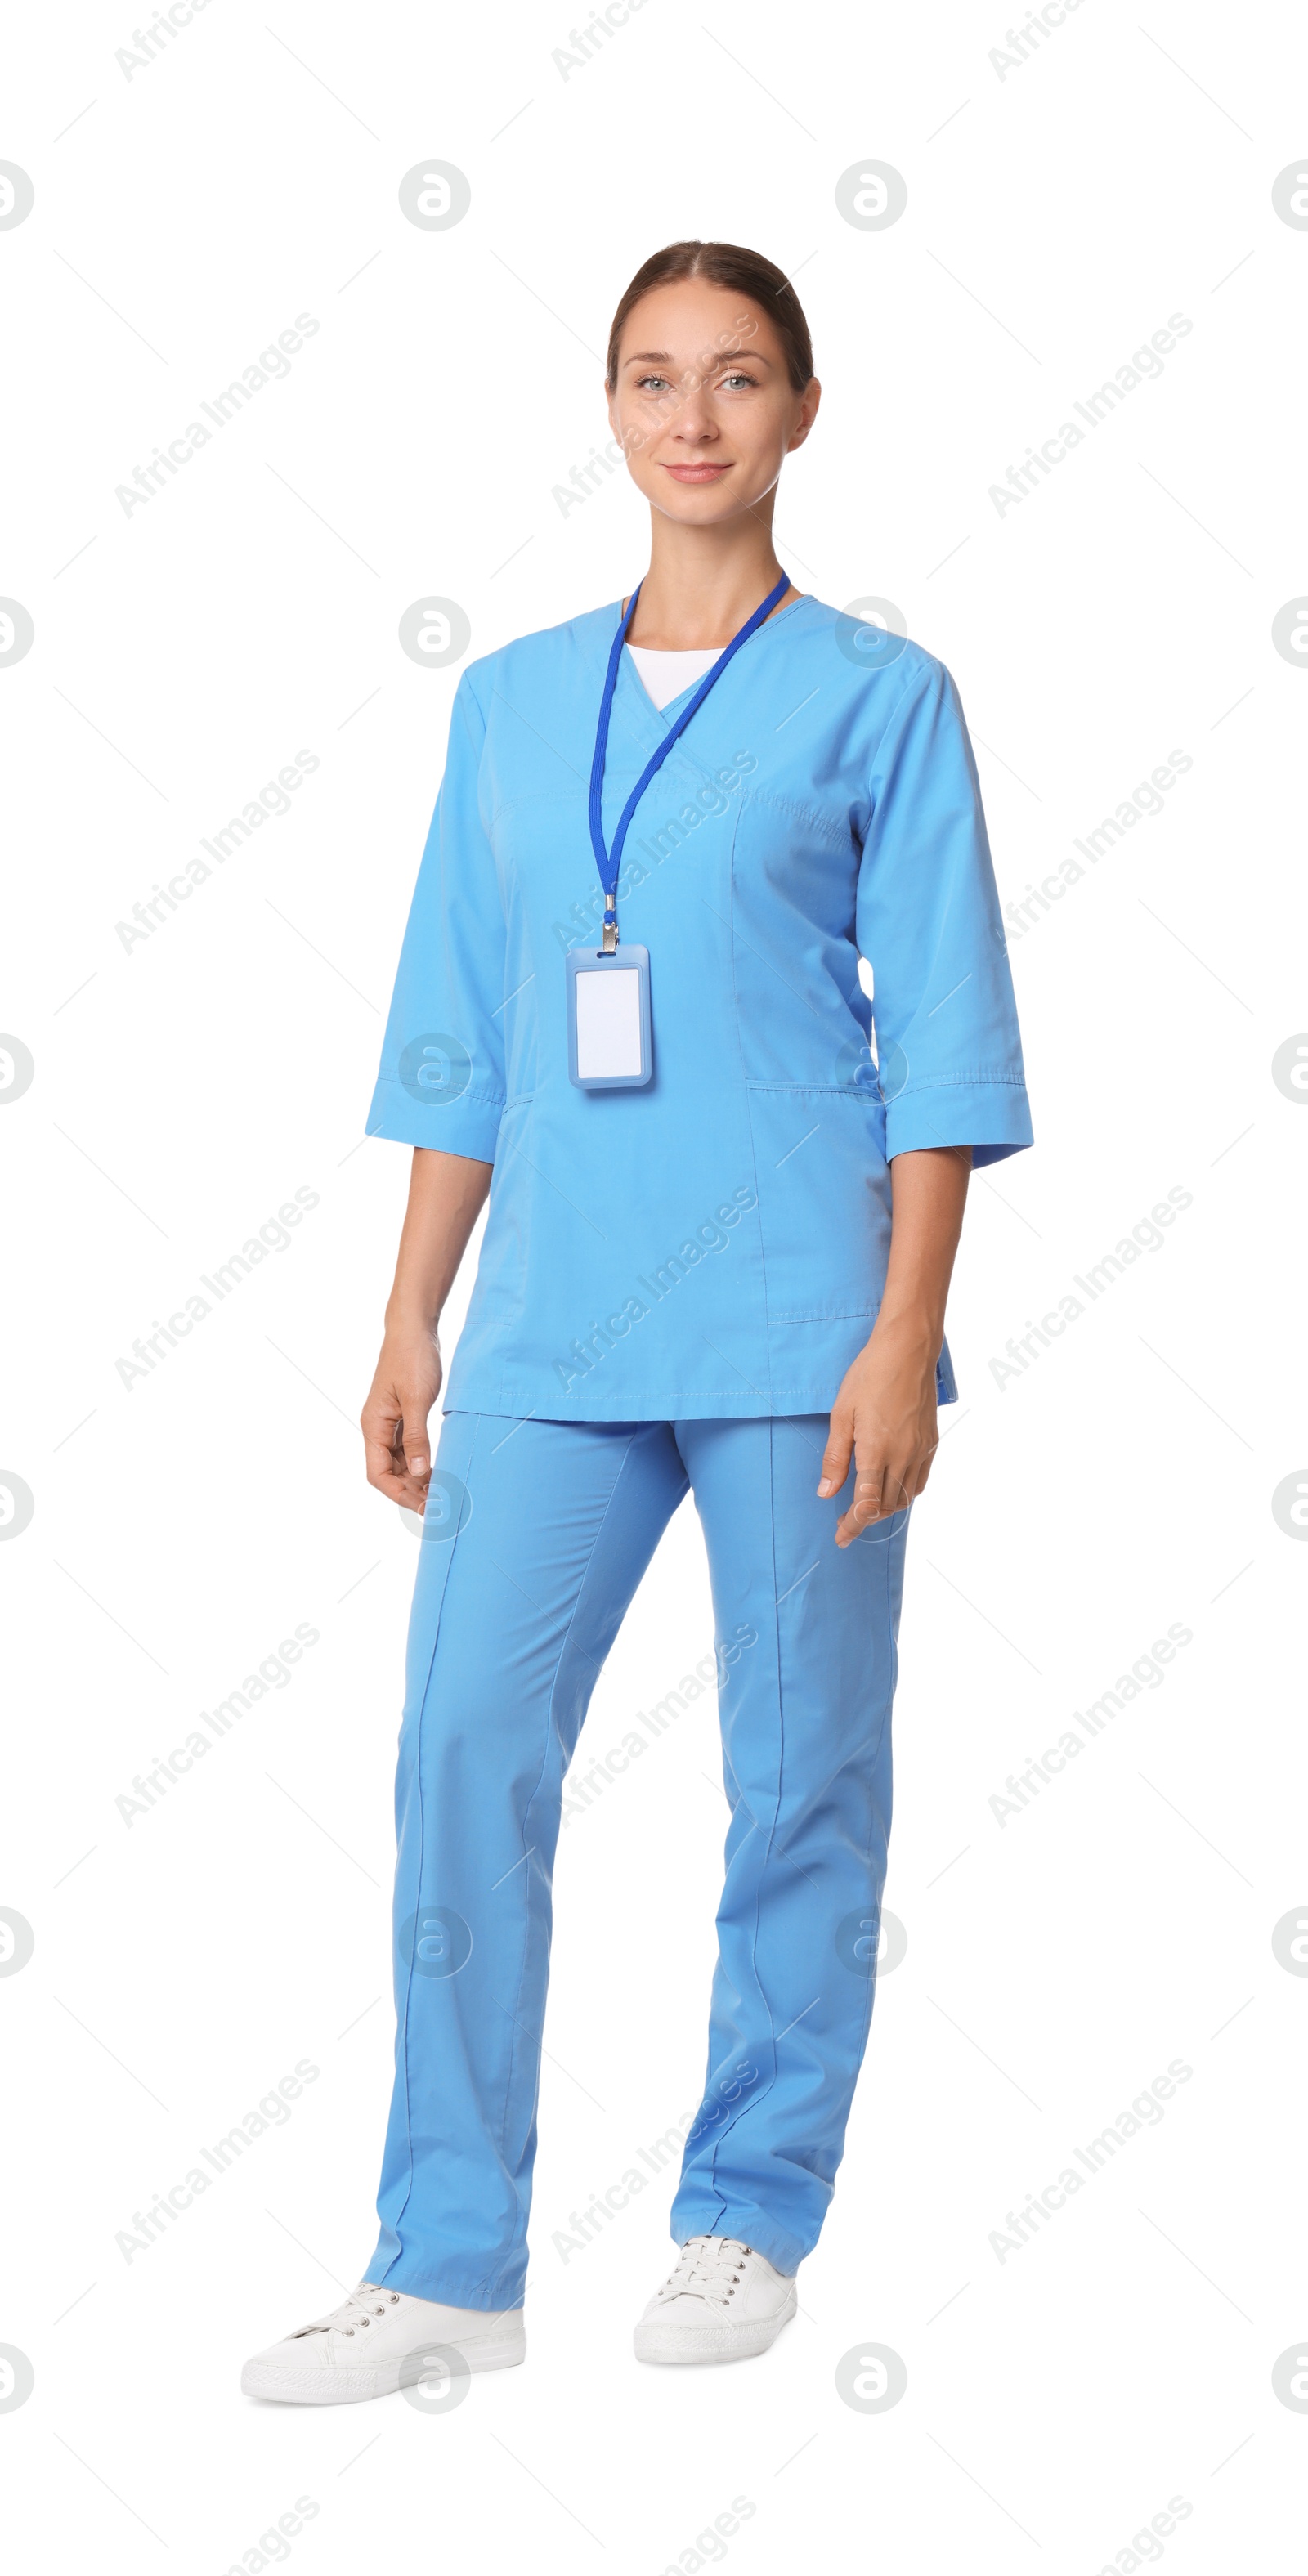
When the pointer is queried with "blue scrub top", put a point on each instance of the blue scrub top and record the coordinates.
(715, 1243)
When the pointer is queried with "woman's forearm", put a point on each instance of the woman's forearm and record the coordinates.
(446, 1196)
(884, 1417)
(928, 1196)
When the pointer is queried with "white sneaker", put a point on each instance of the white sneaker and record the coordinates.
(313, 2366)
(722, 2302)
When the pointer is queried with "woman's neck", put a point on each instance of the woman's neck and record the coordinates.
(702, 584)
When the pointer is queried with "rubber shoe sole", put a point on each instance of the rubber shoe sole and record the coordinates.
(684, 2344)
(301, 2385)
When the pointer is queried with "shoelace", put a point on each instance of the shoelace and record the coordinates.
(708, 2267)
(358, 2310)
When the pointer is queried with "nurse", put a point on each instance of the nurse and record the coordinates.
(725, 1190)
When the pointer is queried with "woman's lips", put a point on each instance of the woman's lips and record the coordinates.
(697, 473)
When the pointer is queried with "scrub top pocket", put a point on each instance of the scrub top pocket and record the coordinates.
(824, 1201)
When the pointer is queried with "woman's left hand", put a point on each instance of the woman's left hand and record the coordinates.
(884, 1418)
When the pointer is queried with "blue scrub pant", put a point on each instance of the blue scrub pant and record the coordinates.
(537, 1535)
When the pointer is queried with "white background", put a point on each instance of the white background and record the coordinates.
(187, 1086)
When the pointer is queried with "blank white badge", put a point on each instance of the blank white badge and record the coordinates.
(608, 1023)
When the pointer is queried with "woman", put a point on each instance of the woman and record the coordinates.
(716, 1258)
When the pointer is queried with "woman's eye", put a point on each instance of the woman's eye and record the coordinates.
(729, 381)
(652, 384)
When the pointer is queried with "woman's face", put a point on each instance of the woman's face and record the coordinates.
(703, 405)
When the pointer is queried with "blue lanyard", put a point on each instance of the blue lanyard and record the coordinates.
(609, 862)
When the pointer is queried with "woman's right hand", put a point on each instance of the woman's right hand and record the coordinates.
(405, 1386)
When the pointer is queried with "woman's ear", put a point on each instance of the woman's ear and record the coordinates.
(807, 415)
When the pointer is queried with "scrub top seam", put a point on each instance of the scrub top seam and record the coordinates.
(511, 1408)
(913, 679)
(477, 1097)
(757, 1210)
(827, 1090)
(958, 1082)
(806, 814)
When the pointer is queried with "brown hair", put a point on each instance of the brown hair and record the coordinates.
(747, 272)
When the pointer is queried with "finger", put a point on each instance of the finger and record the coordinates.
(399, 1488)
(865, 1506)
(379, 1435)
(870, 1474)
(837, 1454)
(388, 1473)
(901, 1487)
(920, 1469)
(383, 1453)
(412, 1445)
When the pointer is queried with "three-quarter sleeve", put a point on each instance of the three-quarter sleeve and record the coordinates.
(441, 1081)
(928, 921)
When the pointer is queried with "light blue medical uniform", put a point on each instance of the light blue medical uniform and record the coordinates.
(716, 1242)
(672, 1284)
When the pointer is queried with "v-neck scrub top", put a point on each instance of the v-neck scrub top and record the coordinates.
(665, 676)
(715, 1243)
